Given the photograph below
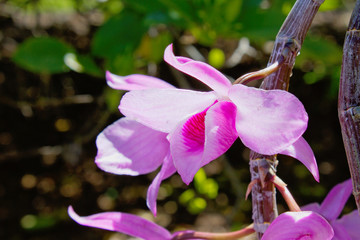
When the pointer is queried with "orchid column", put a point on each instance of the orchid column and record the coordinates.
(287, 45)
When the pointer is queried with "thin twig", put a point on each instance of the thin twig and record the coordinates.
(349, 99)
(293, 29)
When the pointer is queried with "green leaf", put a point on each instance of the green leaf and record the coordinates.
(83, 64)
(123, 64)
(260, 23)
(42, 55)
(120, 34)
(152, 48)
(320, 49)
(112, 98)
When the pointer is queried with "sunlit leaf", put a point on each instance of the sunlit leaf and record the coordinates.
(330, 5)
(206, 186)
(34, 222)
(216, 57)
(196, 205)
(186, 196)
(232, 9)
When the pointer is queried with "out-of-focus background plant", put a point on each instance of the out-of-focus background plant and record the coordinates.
(54, 101)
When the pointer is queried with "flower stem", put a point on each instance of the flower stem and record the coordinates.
(349, 99)
(289, 199)
(293, 29)
(214, 236)
(290, 48)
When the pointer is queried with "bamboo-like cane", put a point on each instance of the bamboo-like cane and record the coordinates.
(293, 31)
(349, 99)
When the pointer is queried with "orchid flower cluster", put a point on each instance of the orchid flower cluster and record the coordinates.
(183, 130)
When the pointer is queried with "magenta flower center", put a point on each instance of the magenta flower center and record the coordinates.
(194, 132)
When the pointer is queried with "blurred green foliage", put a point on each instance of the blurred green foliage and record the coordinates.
(204, 188)
(135, 33)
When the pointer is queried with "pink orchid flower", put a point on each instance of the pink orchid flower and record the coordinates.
(203, 125)
(305, 225)
(348, 226)
(131, 148)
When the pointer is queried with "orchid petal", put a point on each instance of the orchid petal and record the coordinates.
(162, 109)
(135, 82)
(124, 223)
(302, 151)
(299, 225)
(220, 130)
(351, 222)
(199, 70)
(130, 148)
(340, 233)
(335, 201)
(268, 121)
(314, 207)
(166, 171)
(187, 145)
(202, 138)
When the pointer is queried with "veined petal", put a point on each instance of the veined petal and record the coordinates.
(124, 223)
(351, 222)
(202, 138)
(130, 148)
(335, 201)
(302, 151)
(135, 82)
(187, 146)
(199, 70)
(166, 171)
(299, 225)
(162, 109)
(268, 121)
(220, 130)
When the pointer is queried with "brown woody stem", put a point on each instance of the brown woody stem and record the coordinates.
(349, 99)
(294, 30)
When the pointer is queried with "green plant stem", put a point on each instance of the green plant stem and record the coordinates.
(349, 99)
(294, 30)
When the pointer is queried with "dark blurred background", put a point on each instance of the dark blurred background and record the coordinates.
(54, 101)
